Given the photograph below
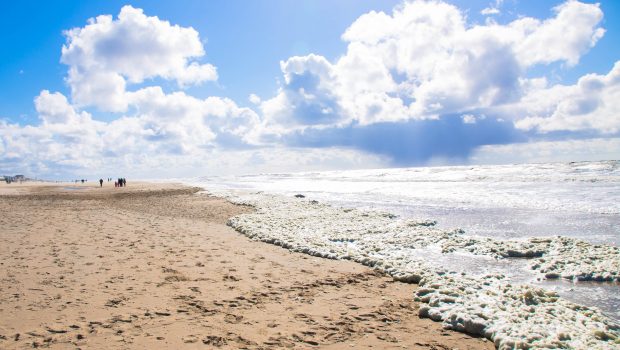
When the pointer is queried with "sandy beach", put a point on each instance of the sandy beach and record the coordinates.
(155, 266)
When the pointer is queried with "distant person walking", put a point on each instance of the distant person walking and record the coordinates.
(100, 182)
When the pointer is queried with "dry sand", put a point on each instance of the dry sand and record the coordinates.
(153, 266)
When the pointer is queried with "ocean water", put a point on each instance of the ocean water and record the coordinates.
(580, 200)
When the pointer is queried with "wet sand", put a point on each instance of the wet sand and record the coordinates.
(155, 266)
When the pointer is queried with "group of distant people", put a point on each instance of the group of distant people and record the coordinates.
(120, 182)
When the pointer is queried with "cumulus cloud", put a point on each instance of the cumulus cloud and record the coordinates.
(591, 104)
(565, 37)
(195, 122)
(133, 147)
(108, 53)
(162, 126)
(53, 108)
(424, 61)
(307, 97)
(104, 57)
(65, 137)
(418, 84)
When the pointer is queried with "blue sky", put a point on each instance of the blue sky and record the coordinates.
(345, 84)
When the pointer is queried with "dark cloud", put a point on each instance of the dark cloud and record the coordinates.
(413, 142)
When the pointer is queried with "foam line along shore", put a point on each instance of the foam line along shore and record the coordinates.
(475, 281)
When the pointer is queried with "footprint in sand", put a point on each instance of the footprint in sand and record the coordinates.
(234, 319)
(231, 278)
(214, 341)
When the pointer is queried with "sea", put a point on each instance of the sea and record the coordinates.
(577, 199)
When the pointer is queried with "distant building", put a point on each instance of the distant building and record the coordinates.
(19, 178)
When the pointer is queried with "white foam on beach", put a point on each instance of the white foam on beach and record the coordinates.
(481, 241)
(481, 304)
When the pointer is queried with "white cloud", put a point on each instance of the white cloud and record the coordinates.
(65, 137)
(424, 61)
(104, 57)
(163, 125)
(132, 147)
(195, 122)
(565, 37)
(591, 104)
(487, 11)
(53, 108)
(254, 99)
(106, 54)
(469, 118)
(106, 90)
(307, 97)
(493, 8)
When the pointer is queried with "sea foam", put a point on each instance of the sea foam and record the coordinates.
(489, 305)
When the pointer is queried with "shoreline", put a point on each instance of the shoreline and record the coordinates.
(154, 265)
(489, 305)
